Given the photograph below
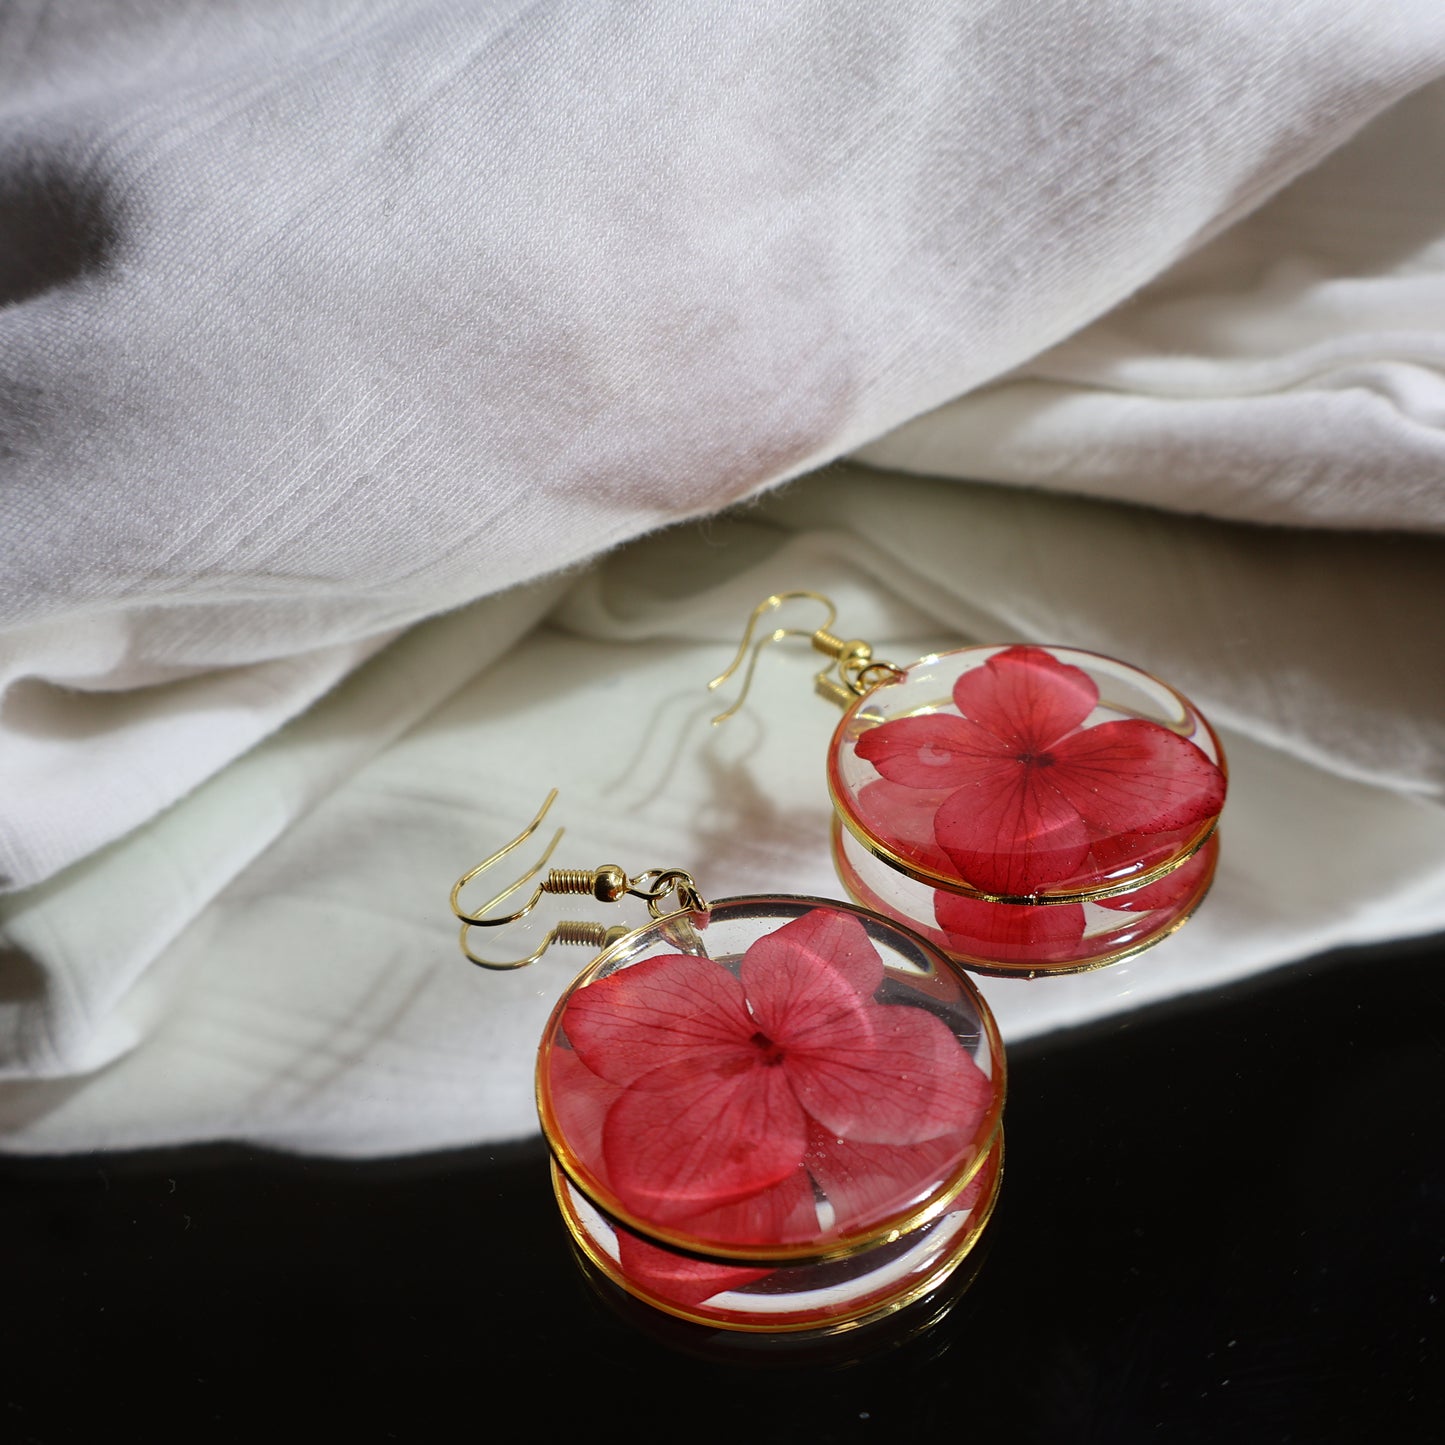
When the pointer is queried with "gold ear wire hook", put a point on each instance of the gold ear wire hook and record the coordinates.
(595, 935)
(768, 604)
(479, 919)
(857, 671)
(607, 884)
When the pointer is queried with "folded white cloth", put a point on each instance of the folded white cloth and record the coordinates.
(324, 322)
(1292, 371)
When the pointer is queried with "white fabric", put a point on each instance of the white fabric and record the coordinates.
(324, 321)
(1291, 372)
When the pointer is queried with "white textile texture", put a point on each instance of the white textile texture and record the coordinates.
(402, 406)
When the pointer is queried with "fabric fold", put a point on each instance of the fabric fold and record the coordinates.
(1264, 377)
(316, 999)
(341, 320)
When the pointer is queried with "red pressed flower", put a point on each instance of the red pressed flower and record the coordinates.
(1031, 793)
(726, 1080)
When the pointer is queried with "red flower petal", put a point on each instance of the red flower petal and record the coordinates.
(580, 1101)
(783, 1213)
(888, 1073)
(904, 817)
(674, 1006)
(910, 1080)
(1009, 832)
(1136, 777)
(1118, 854)
(1010, 932)
(679, 1278)
(937, 751)
(701, 1133)
(1026, 698)
(797, 975)
(868, 1182)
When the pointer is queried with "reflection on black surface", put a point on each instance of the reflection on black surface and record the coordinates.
(1220, 1223)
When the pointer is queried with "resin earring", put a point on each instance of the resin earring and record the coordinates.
(1027, 809)
(766, 1114)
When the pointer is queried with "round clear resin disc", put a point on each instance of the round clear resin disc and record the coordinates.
(1023, 773)
(774, 1079)
(767, 1297)
(1026, 938)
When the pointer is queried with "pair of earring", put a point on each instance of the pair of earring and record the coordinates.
(784, 1114)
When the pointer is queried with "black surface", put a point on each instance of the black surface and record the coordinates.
(1219, 1222)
